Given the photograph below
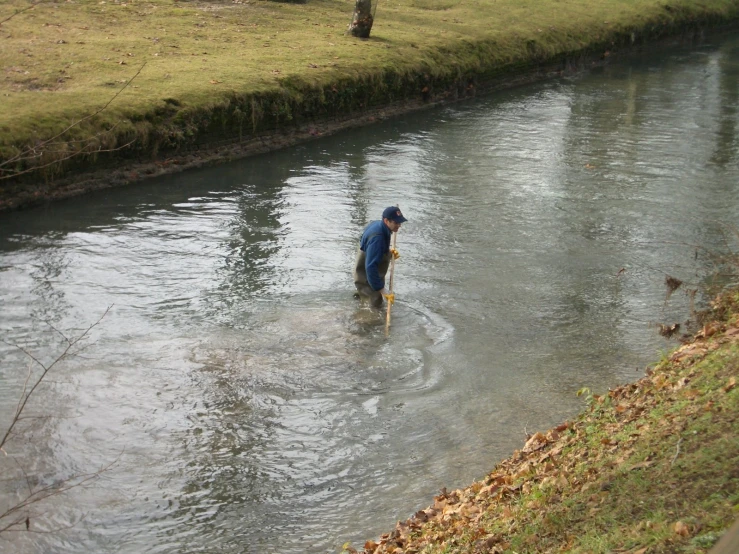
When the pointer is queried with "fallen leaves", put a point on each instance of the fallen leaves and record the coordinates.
(668, 330)
(681, 529)
(579, 467)
(536, 442)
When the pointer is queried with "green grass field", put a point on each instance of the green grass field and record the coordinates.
(260, 63)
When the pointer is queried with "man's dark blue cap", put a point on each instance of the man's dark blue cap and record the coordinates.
(393, 213)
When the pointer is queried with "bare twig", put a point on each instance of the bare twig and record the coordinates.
(39, 149)
(47, 531)
(44, 493)
(64, 337)
(25, 475)
(677, 452)
(19, 12)
(31, 152)
(65, 158)
(18, 516)
(23, 392)
(25, 396)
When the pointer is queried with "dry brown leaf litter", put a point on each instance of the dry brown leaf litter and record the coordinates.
(539, 463)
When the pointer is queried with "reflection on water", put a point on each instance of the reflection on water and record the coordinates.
(254, 405)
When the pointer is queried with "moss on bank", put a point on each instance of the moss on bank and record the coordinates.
(649, 467)
(197, 82)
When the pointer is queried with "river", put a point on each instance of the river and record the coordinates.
(241, 400)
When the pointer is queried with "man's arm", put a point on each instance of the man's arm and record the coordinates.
(374, 252)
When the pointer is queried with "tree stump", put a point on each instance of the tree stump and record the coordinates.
(362, 19)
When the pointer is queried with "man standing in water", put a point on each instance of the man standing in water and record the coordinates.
(373, 257)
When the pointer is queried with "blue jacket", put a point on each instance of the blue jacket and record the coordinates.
(375, 244)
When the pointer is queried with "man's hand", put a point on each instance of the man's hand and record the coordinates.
(395, 253)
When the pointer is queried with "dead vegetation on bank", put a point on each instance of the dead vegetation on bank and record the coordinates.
(649, 467)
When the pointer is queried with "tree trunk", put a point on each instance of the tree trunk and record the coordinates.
(362, 20)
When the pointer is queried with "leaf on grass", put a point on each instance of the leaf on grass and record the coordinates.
(659, 381)
(730, 385)
(215, 82)
(641, 465)
(536, 442)
(681, 383)
(681, 529)
(668, 330)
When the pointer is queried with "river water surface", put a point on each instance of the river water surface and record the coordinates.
(247, 401)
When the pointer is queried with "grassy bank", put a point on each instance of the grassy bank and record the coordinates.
(90, 83)
(650, 467)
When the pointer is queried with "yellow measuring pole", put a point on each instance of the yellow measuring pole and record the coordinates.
(390, 285)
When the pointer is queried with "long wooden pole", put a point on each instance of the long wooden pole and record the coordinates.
(390, 285)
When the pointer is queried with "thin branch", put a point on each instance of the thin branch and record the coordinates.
(46, 369)
(49, 491)
(14, 523)
(25, 475)
(58, 332)
(72, 155)
(25, 352)
(677, 453)
(23, 392)
(14, 517)
(48, 531)
(31, 154)
(24, 417)
(23, 155)
(19, 12)
(90, 116)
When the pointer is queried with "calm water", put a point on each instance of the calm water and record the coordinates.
(250, 404)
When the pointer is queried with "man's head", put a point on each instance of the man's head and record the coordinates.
(393, 217)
